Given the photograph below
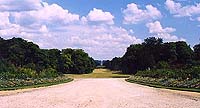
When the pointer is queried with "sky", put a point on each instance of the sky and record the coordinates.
(102, 28)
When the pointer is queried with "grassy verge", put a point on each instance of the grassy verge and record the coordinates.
(99, 73)
(159, 85)
(47, 82)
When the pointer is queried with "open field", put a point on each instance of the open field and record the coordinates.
(99, 73)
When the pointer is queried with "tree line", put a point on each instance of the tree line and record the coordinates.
(17, 53)
(153, 53)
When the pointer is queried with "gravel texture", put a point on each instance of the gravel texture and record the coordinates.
(100, 93)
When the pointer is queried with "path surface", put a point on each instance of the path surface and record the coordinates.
(101, 93)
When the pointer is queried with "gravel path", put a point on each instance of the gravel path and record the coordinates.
(101, 93)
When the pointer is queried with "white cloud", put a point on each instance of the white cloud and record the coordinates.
(43, 29)
(4, 20)
(157, 30)
(51, 26)
(49, 14)
(133, 15)
(156, 27)
(97, 15)
(101, 42)
(178, 10)
(198, 19)
(22, 5)
(10, 31)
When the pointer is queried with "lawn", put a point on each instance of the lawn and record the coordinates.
(99, 73)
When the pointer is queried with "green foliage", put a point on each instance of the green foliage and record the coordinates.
(197, 52)
(25, 73)
(76, 62)
(166, 82)
(190, 73)
(184, 53)
(162, 65)
(66, 63)
(12, 84)
(48, 73)
(6, 67)
(158, 73)
(193, 72)
(115, 64)
(23, 60)
(154, 54)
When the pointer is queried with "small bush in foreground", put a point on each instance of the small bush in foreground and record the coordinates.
(48, 73)
(24, 73)
(190, 73)
(167, 82)
(13, 83)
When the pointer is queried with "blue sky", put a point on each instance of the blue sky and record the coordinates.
(103, 28)
(185, 27)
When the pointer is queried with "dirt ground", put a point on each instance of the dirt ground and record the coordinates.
(99, 93)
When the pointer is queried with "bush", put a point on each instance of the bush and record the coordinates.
(157, 73)
(27, 73)
(6, 67)
(24, 73)
(167, 82)
(48, 73)
(193, 72)
(7, 70)
(162, 65)
(190, 73)
(30, 66)
(14, 83)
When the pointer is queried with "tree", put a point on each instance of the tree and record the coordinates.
(197, 52)
(152, 41)
(23, 54)
(76, 61)
(130, 59)
(81, 61)
(184, 53)
(152, 54)
(116, 64)
(53, 56)
(66, 63)
(168, 53)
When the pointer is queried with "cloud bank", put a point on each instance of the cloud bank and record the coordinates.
(157, 30)
(51, 26)
(133, 14)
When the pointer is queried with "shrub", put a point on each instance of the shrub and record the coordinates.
(24, 73)
(162, 65)
(48, 73)
(6, 67)
(168, 82)
(30, 66)
(193, 72)
(190, 73)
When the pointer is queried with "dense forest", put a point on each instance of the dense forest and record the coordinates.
(19, 58)
(154, 58)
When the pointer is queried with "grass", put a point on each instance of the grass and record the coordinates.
(159, 86)
(99, 73)
(38, 85)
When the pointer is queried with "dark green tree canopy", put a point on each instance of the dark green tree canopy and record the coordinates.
(197, 52)
(152, 54)
(20, 53)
